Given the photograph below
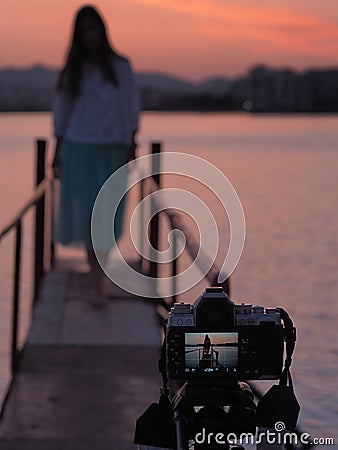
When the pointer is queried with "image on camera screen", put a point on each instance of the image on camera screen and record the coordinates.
(211, 353)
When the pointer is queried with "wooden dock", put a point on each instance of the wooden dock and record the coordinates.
(86, 374)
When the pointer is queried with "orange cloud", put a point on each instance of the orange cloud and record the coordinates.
(261, 29)
(248, 17)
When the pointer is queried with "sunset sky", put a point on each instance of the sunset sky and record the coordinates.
(192, 39)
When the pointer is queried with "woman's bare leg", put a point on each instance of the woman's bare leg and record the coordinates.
(98, 277)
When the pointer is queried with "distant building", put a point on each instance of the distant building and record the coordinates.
(268, 90)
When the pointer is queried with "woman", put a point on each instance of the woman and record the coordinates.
(95, 122)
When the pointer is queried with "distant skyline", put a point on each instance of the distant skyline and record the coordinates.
(194, 39)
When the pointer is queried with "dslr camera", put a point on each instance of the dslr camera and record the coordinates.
(211, 348)
(214, 339)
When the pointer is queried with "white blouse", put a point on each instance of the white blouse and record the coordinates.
(101, 112)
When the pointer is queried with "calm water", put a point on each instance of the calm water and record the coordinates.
(227, 357)
(285, 171)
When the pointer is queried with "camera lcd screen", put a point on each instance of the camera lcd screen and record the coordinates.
(211, 353)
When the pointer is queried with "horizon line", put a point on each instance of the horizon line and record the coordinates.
(186, 78)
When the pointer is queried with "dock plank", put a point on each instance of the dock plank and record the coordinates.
(83, 393)
(86, 374)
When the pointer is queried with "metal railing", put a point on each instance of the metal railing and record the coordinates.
(43, 242)
(175, 222)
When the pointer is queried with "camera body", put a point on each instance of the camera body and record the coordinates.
(214, 339)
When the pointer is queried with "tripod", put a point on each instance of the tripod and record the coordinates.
(210, 426)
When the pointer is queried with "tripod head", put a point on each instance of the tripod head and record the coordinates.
(211, 424)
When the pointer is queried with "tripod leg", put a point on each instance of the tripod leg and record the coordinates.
(182, 435)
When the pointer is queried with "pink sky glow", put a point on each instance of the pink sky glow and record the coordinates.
(193, 39)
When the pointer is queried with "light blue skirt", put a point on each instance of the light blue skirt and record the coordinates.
(84, 170)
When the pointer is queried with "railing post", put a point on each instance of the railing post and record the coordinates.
(174, 269)
(155, 219)
(51, 224)
(16, 298)
(39, 219)
(141, 222)
(156, 148)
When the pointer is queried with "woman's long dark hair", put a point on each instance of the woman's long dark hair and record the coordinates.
(70, 76)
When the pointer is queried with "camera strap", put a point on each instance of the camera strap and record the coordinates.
(162, 365)
(280, 404)
(289, 337)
